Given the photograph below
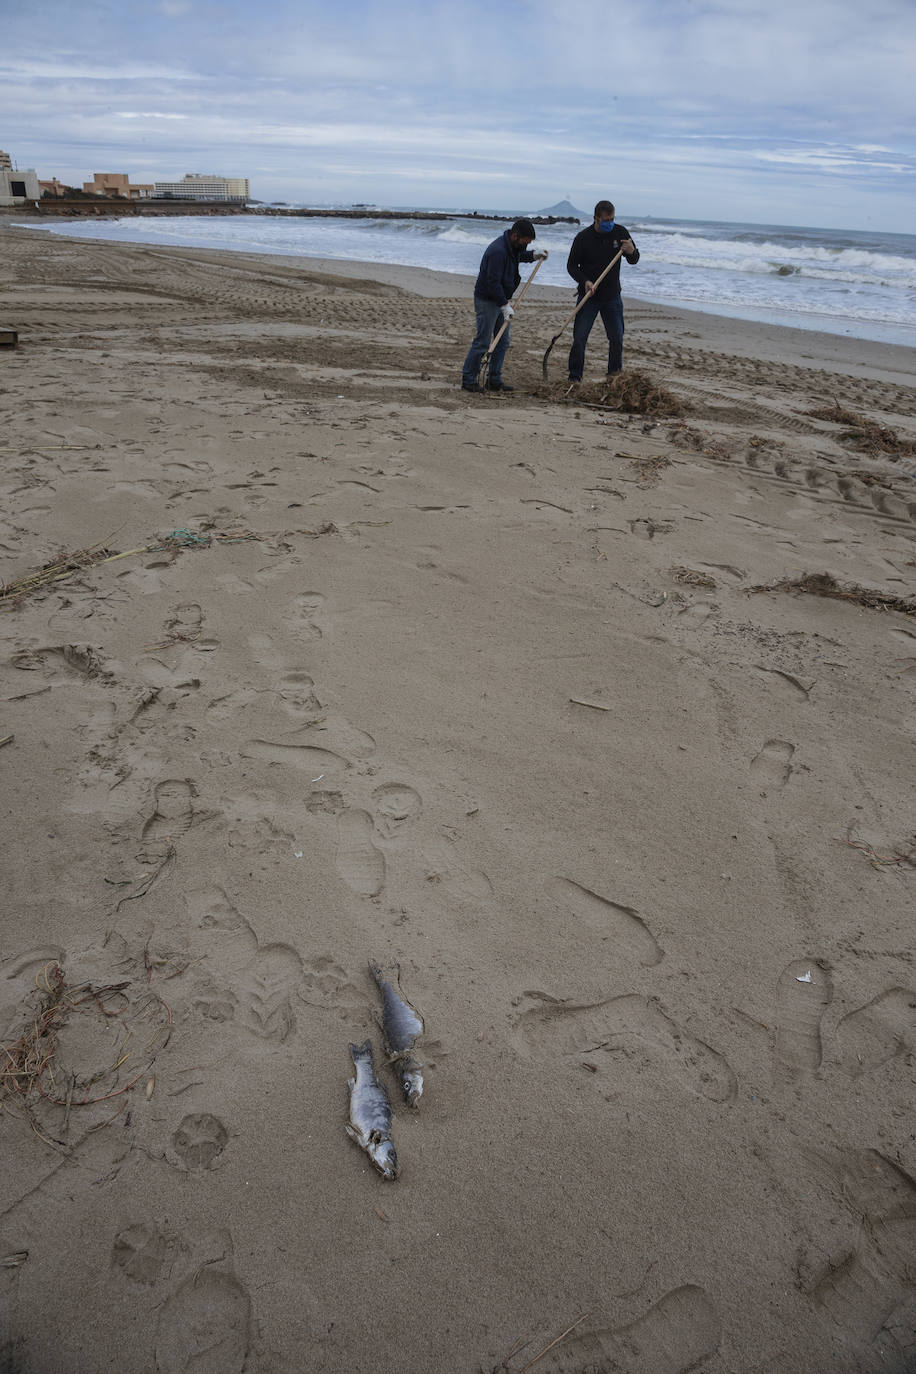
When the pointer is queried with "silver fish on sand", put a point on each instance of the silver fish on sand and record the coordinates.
(401, 1026)
(370, 1113)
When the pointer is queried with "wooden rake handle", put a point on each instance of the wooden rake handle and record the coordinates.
(616, 258)
(505, 324)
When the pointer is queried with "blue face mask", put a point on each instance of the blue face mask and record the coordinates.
(605, 226)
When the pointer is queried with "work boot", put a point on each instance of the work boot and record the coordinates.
(499, 386)
(471, 386)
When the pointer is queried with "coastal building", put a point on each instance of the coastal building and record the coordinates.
(17, 187)
(117, 184)
(53, 187)
(198, 186)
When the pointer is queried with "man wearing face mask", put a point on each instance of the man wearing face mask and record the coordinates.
(496, 282)
(590, 254)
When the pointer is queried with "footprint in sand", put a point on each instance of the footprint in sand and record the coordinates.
(316, 762)
(862, 1286)
(877, 1032)
(296, 693)
(325, 984)
(359, 863)
(627, 930)
(140, 1253)
(803, 994)
(62, 663)
(448, 873)
(172, 817)
(772, 766)
(621, 1025)
(792, 685)
(205, 1327)
(678, 1334)
(211, 908)
(308, 610)
(185, 622)
(697, 613)
(198, 1142)
(180, 677)
(255, 984)
(397, 807)
(264, 992)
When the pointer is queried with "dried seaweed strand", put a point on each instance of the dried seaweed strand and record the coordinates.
(32, 1057)
(96, 554)
(561, 1337)
(825, 584)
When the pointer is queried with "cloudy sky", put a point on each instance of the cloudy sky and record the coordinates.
(770, 111)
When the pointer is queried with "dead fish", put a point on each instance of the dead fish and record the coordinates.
(400, 1026)
(370, 1113)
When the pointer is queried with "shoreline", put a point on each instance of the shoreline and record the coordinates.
(817, 348)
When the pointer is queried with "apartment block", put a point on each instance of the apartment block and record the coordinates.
(198, 186)
(117, 184)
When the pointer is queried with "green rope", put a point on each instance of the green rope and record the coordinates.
(187, 537)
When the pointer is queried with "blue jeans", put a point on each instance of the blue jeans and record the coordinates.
(611, 310)
(489, 318)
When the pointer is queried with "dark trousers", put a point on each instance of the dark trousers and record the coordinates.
(489, 318)
(610, 309)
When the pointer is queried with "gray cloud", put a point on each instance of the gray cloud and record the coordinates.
(729, 108)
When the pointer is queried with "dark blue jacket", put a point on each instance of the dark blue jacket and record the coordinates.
(499, 275)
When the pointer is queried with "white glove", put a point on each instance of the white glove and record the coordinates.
(507, 313)
(541, 255)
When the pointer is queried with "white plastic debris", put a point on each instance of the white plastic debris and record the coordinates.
(804, 977)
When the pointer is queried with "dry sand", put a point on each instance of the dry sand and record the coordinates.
(479, 687)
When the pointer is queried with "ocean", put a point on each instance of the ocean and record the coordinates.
(860, 284)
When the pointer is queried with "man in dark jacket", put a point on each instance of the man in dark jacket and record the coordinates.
(590, 254)
(497, 280)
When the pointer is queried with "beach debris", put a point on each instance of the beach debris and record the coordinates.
(370, 1113)
(862, 433)
(401, 1025)
(825, 584)
(639, 394)
(524, 1341)
(45, 1062)
(634, 393)
(879, 861)
(66, 565)
(647, 468)
(691, 578)
(804, 977)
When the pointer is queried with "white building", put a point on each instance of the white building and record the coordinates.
(197, 186)
(16, 187)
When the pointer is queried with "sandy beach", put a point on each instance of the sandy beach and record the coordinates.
(597, 725)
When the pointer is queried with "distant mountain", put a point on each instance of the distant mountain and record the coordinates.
(564, 209)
